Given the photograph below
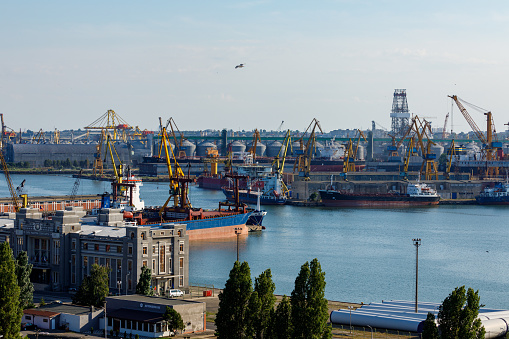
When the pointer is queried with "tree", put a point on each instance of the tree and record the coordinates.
(281, 324)
(261, 306)
(430, 329)
(144, 283)
(10, 310)
(457, 316)
(173, 319)
(309, 306)
(94, 288)
(23, 271)
(233, 300)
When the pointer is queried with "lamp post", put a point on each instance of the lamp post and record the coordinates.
(126, 281)
(105, 321)
(371, 328)
(238, 231)
(417, 243)
(350, 308)
(119, 283)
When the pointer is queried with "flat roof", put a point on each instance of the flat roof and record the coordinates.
(67, 308)
(154, 300)
(41, 313)
(126, 314)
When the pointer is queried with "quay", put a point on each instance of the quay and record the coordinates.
(55, 203)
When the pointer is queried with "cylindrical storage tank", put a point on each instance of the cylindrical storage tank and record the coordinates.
(361, 152)
(495, 328)
(375, 320)
(260, 148)
(201, 149)
(188, 148)
(273, 149)
(237, 146)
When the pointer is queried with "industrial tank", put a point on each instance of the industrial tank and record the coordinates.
(295, 148)
(188, 147)
(273, 149)
(438, 150)
(201, 149)
(260, 148)
(361, 152)
(237, 146)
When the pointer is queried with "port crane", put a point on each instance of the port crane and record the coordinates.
(16, 203)
(444, 131)
(351, 152)
(305, 152)
(490, 143)
(178, 143)
(98, 162)
(429, 165)
(111, 121)
(278, 164)
(256, 138)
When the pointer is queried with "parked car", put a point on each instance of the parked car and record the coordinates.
(175, 293)
(28, 327)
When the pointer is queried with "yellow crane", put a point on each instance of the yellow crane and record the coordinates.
(14, 195)
(351, 152)
(110, 149)
(254, 143)
(278, 164)
(490, 143)
(306, 151)
(451, 154)
(111, 121)
(98, 161)
(429, 166)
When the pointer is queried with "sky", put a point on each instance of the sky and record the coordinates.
(63, 64)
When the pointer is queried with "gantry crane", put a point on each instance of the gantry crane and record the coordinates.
(351, 152)
(278, 164)
(256, 139)
(306, 151)
(111, 121)
(490, 144)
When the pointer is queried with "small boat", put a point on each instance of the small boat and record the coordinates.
(417, 194)
(496, 195)
(254, 223)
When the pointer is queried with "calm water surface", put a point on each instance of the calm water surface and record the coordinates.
(367, 254)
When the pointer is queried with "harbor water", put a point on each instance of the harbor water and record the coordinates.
(367, 254)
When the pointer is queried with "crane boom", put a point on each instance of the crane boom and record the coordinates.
(14, 195)
(469, 119)
(444, 131)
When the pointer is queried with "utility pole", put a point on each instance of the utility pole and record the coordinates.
(417, 243)
(238, 231)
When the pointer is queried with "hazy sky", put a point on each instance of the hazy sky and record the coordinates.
(65, 63)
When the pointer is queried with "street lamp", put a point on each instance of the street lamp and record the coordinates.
(417, 243)
(371, 328)
(119, 283)
(126, 284)
(350, 308)
(105, 321)
(238, 231)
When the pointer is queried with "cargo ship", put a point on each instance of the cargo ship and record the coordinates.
(273, 192)
(417, 194)
(497, 195)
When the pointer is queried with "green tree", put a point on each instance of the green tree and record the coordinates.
(144, 283)
(281, 324)
(10, 310)
(430, 329)
(173, 319)
(309, 306)
(23, 271)
(94, 288)
(457, 316)
(262, 305)
(233, 300)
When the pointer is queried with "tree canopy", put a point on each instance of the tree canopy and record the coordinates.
(144, 283)
(94, 287)
(458, 315)
(261, 305)
(23, 271)
(430, 329)
(173, 319)
(10, 310)
(231, 318)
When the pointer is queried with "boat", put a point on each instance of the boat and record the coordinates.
(417, 194)
(255, 220)
(228, 220)
(496, 195)
(273, 192)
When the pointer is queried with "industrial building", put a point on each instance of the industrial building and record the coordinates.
(63, 248)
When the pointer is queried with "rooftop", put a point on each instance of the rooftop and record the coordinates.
(154, 300)
(67, 309)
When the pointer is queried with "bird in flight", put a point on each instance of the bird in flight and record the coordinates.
(239, 66)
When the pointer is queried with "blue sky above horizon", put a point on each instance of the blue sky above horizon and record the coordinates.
(65, 63)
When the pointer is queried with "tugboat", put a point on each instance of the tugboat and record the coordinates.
(497, 195)
(417, 194)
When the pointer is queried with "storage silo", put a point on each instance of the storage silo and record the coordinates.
(188, 147)
(438, 150)
(237, 146)
(201, 149)
(361, 152)
(273, 149)
(295, 148)
(260, 148)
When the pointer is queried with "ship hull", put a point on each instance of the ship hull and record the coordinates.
(338, 199)
(252, 198)
(492, 200)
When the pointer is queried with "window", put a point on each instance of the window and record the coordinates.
(144, 263)
(73, 245)
(130, 251)
(145, 250)
(45, 320)
(180, 233)
(130, 265)
(181, 247)
(161, 259)
(96, 260)
(108, 248)
(170, 265)
(181, 262)
(73, 278)
(56, 252)
(85, 246)
(55, 277)
(154, 249)
(181, 281)
(96, 247)
(143, 235)
(85, 261)
(73, 259)
(153, 265)
(119, 249)
(107, 262)
(28, 317)
(132, 235)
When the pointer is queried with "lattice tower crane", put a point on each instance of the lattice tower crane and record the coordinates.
(254, 143)
(351, 152)
(278, 164)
